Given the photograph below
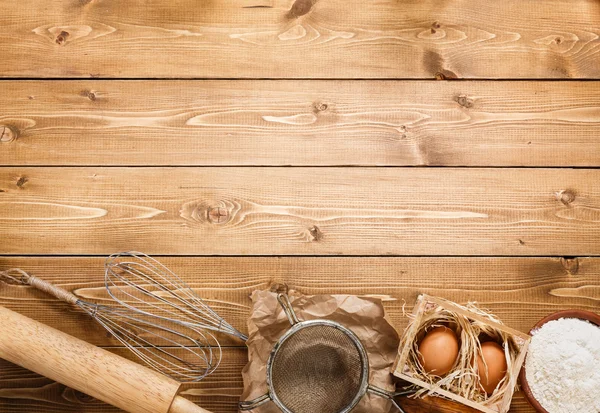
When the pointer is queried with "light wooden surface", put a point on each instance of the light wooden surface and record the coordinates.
(304, 123)
(300, 211)
(301, 39)
(519, 290)
(168, 127)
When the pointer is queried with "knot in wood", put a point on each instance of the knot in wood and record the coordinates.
(316, 233)
(61, 39)
(82, 397)
(280, 288)
(445, 74)
(217, 215)
(300, 8)
(571, 265)
(464, 101)
(22, 181)
(565, 196)
(320, 106)
(7, 134)
(90, 94)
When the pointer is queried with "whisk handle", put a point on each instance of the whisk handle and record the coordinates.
(54, 290)
(38, 283)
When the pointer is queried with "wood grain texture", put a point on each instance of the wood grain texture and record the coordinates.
(520, 291)
(300, 211)
(301, 39)
(302, 123)
(21, 390)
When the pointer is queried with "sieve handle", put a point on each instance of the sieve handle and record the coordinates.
(389, 395)
(286, 304)
(253, 404)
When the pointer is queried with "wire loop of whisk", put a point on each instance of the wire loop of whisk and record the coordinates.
(181, 352)
(141, 283)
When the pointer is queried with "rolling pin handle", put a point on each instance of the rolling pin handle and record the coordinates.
(183, 405)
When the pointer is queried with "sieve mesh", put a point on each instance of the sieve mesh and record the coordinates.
(318, 368)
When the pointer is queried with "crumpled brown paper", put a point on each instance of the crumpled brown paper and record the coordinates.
(364, 316)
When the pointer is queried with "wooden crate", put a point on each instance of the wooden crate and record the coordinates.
(425, 304)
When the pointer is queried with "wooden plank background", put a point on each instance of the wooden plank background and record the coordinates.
(170, 127)
(300, 211)
(506, 286)
(519, 290)
(303, 123)
(301, 39)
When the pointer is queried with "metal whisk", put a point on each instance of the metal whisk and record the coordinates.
(180, 348)
(141, 283)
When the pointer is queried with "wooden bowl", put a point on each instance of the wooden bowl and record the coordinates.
(582, 315)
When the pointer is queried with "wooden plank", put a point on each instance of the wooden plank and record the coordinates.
(23, 391)
(301, 39)
(520, 291)
(300, 211)
(394, 123)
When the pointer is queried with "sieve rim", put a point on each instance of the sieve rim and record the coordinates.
(364, 381)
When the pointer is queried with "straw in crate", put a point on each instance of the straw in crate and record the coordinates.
(462, 382)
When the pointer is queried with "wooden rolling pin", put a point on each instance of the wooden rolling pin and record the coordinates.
(87, 368)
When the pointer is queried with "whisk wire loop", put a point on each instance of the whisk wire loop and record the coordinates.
(141, 283)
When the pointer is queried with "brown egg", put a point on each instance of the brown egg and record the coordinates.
(496, 366)
(438, 351)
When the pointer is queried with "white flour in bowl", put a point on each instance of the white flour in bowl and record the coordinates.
(563, 366)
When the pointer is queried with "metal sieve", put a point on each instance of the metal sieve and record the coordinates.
(317, 366)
